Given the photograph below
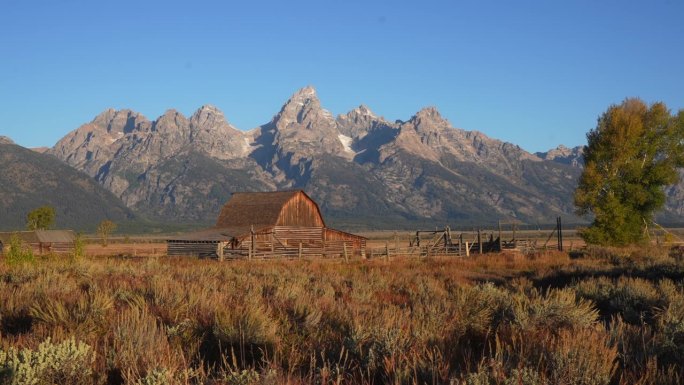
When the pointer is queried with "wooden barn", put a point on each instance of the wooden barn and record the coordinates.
(41, 241)
(265, 224)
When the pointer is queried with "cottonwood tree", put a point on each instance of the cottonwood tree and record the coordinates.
(631, 155)
(41, 218)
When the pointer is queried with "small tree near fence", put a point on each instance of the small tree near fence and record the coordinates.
(105, 228)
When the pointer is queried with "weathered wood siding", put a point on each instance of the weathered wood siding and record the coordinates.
(284, 241)
(336, 241)
(191, 248)
(300, 211)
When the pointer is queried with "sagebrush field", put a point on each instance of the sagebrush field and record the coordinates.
(603, 317)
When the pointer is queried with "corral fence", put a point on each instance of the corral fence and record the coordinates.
(505, 236)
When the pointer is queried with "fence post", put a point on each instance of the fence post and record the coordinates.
(300, 250)
(396, 243)
(219, 251)
(479, 240)
(560, 231)
(500, 239)
(386, 250)
(344, 247)
(467, 249)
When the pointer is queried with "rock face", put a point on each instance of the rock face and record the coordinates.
(5, 140)
(29, 180)
(362, 169)
(565, 155)
(173, 167)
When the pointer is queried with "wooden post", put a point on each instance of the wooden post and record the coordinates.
(560, 231)
(219, 251)
(467, 249)
(386, 250)
(500, 239)
(514, 234)
(396, 243)
(460, 242)
(479, 240)
(300, 249)
(272, 244)
(344, 247)
(252, 246)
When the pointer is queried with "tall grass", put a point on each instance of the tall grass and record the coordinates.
(484, 320)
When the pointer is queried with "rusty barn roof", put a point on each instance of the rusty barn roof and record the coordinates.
(258, 209)
(40, 236)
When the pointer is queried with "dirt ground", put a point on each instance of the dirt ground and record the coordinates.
(132, 249)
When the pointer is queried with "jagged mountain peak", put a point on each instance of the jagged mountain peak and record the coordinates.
(359, 121)
(117, 121)
(306, 92)
(171, 112)
(302, 97)
(563, 154)
(105, 116)
(171, 117)
(5, 140)
(429, 114)
(303, 110)
(428, 121)
(209, 117)
(363, 110)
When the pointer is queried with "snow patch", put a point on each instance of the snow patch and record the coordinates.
(346, 143)
(246, 146)
(118, 136)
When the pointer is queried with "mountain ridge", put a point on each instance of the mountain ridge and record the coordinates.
(361, 168)
(30, 179)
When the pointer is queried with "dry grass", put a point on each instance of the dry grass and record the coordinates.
(496, 319)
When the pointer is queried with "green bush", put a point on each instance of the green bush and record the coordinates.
(17, 252)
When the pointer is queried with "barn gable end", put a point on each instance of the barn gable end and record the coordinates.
(300, 211)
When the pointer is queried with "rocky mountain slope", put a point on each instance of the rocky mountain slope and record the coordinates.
(172, 168)
(361, 168)
(29, 180)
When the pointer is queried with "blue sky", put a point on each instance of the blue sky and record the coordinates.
(535, 73)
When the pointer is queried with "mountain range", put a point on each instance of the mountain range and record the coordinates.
(364, 170)
(29, 180)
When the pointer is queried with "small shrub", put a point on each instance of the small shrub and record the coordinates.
(557, 310)
(18, 253)
(66, 362)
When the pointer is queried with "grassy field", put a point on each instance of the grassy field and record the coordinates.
(601, 317)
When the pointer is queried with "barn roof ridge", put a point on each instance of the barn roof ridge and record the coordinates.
(258, 209)
(33, 236)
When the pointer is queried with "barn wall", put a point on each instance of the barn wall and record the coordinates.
(300, 211)
(285, 241)
(335, 242)
(54, 247)
(191, 249)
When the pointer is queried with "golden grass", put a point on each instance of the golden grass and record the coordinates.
(493, 319)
